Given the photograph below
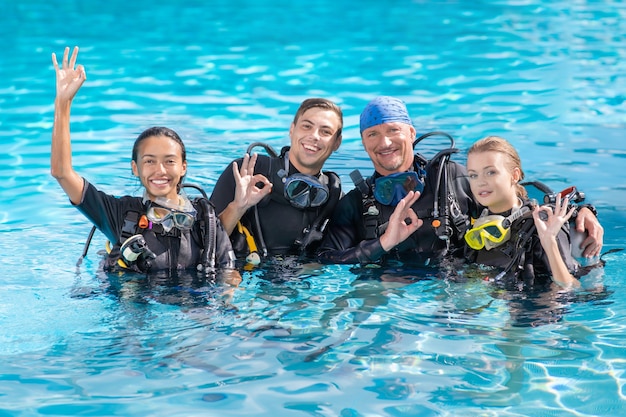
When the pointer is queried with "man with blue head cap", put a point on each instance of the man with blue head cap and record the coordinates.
(390, 215)
(410, 210)
(388, 134)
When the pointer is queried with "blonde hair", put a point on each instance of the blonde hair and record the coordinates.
(498, 144)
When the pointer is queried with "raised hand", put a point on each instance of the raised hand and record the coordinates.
(554, 219)
(247, 193)
(403, 222)
(69, 76)
(548, 223)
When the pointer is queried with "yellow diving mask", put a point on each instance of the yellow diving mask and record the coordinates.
(488, 232)
(493, 230)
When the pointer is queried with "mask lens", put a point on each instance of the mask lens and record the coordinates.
(318, 196)
(297, 192)
(490, 230)
(183, 220)
(158, 214)
(384, 192)
(163, 215)
(297, 188)
(305, 191)
(474, 239)
(389, 190)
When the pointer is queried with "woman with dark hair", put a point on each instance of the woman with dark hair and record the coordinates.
(164, 229)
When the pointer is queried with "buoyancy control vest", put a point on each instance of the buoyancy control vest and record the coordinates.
(445, 205)
(274, 226)
(145, 247)
(521, 260)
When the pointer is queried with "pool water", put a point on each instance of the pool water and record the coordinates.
(298, 339)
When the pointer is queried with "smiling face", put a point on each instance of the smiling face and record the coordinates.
(390, 146)
(159, 166)
(314, 136)
(493, 180)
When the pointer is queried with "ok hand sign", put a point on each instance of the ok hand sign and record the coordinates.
(69, 76)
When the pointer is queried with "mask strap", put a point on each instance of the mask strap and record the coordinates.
(284, 173)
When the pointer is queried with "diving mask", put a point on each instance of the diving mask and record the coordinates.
(301, 190)
(491, 231)
(304, 191)
(390, 189)
(488, 232)
(171, 213)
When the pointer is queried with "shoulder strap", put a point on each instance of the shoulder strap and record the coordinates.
(369, 205)
(209, 233)
(449, 217)
(315, 231)
(360, 182)
(524, 237)
(130, 226)
(273, 166)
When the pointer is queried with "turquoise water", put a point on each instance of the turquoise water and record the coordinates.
(291, 340)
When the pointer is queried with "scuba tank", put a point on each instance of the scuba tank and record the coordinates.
(447, 218)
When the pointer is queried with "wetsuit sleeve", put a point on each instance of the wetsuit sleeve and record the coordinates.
(224, 190)
(105, 211)
(344, 242)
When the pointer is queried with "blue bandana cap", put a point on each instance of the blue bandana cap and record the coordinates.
(384, 109)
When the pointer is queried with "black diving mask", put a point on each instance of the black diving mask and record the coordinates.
(303, 191)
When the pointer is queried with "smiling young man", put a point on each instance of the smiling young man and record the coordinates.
(408, 210)
(275, 200)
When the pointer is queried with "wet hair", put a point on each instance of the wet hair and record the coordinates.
(321, 103)
(498, 144)
(160, 131)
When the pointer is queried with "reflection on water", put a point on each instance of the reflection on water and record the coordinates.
(314, 337)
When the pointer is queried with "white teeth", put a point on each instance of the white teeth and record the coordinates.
(160, 182)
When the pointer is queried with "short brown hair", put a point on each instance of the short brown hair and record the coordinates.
(322, 103)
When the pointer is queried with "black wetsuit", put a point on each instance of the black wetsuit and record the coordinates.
(280, 223)
(348, 240)
(174, 250)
